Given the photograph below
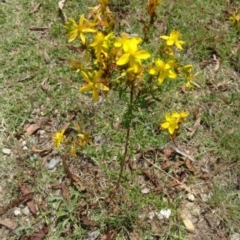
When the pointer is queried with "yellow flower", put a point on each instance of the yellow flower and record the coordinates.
(75, 65)
(187, 68)
(122, 40)
(173, 120)
(102, 16)
(186, 72)
(132, 55)
(182, 116)
(235, 17)
(83, 139)
(94, 84)
(58, 138)
(173, 39)
(102, 43)
(78, 30)
(152, 5)
(163, 70)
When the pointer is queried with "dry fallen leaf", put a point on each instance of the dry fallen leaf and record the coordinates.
(42, 121)
(187, 222)
(32, 207)
(194, 128)
(35, 8)
(79, 182)
(167, 152)
(44, 84)
(65, 191)
(166, 164)
(30, 203)
(73, 177)
(40, 234)
(86, 222)
(190, 167)
(9, 223)
(135, 236)
(32, 128)
(41, 152)
(109, 236)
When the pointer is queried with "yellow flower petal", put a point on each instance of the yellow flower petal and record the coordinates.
(170, 42)
(82, 37)
(165, 125)
(152, 71)
(86, 88)
(142, 54)
(178, 44)
(123, 59)
(101, 87)
(171, 129)
(164, 37)
(184, 114)
(72, 35)
(85, 76)
(161, 78)
(172, 74)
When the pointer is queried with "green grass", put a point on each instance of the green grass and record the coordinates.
(28, 58)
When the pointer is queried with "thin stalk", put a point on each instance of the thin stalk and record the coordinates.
(123, 160)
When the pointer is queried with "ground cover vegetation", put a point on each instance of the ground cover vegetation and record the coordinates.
(119, 120)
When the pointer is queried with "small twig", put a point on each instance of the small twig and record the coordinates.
(177, 150)
(62, 15)
(38, 28)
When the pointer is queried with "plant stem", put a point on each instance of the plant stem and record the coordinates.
(123, 160)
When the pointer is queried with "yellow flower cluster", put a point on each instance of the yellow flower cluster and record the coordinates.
(58, 138)
(105, 55)
(173, 120)
(81, 140)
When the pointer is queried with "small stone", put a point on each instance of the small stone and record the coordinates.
(98, 139)
(151, 215)
(17, 211)
(26, 211)
(164, 214)
(92, 235)
(52, 164)
(33, 157)
(6, 151)
(33, 140)
(191, 197)
(145, 190)
(24, 143)
(41, 132)
(25, 148)
(3, 184)
(205, 197)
